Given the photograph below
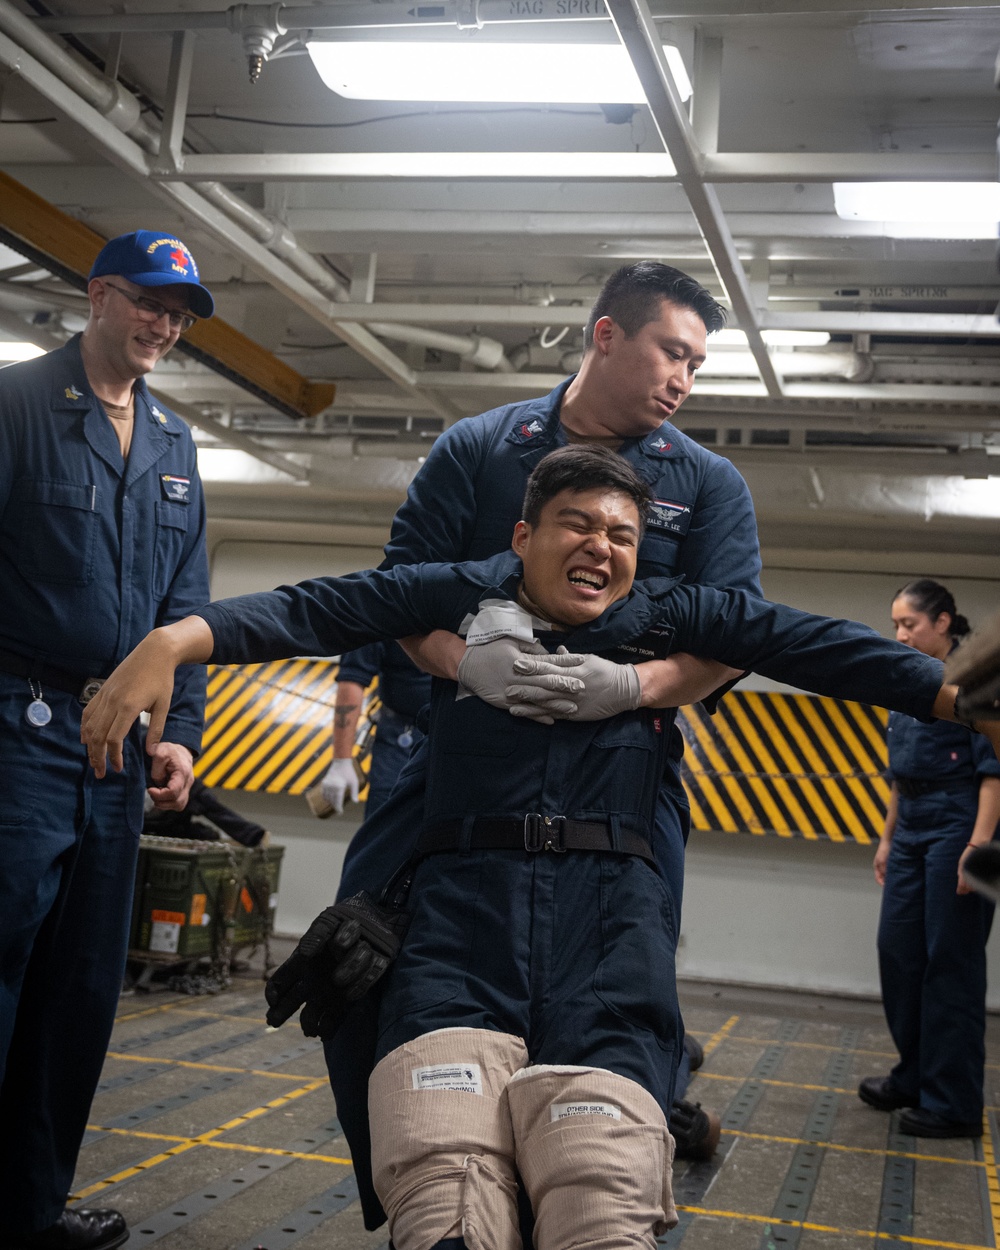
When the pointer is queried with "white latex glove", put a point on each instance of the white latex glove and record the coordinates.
(599, 688)
(488, 670)
(341, 778)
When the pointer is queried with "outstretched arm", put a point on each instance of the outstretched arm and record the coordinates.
(143, 682)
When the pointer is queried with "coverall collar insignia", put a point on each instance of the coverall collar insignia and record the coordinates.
(151, 437)
(537, 423)
(660, 443)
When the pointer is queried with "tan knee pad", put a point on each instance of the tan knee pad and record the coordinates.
(595, 1155)
(442, 1146)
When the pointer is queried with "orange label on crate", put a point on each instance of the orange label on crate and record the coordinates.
(198, 909)
(246, 900)
(168, 917)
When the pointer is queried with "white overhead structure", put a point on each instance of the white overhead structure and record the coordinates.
(435, 259)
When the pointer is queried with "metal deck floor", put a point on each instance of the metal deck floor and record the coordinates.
(211, 1134)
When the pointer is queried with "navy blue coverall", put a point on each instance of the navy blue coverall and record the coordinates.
(931, 940)
(403, 689)
(613, 982)
(94, 552)
(463, 504)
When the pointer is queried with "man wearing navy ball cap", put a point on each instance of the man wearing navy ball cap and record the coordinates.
(102, 537)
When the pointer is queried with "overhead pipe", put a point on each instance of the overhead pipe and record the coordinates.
(487, 353)
(464, 14)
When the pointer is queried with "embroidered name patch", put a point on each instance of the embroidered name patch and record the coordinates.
(177, 489)
(667, 517)
(655, 644)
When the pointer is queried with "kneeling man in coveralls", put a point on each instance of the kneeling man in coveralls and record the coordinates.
(525, 1025)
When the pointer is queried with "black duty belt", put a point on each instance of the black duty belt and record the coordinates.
(914, 787)
(533, 832)
(48, 675)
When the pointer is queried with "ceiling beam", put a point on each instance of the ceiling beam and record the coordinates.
(515, 384)
(455, 13)
(491, 166)
(944, 325)
(849, 167)
(719, 167)
(949, 325)
(642, 41)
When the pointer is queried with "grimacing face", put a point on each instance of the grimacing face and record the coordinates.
(581, 555)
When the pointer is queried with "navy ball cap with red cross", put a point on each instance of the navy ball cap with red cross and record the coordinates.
(154, 258)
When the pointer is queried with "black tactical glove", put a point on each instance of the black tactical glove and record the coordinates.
(345, 950)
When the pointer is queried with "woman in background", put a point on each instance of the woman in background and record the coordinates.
(932, 932)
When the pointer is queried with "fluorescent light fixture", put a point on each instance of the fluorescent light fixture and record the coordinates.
(620, 166)
(474, 71)
(10, 353)
(773, 338)
(923, 210)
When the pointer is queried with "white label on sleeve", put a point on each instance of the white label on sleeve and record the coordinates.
(465, 1078)
(566, 1110)
(165, 937)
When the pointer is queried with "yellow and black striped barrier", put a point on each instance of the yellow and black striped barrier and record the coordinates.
(269, 727)
(792, 765)
(787, 765)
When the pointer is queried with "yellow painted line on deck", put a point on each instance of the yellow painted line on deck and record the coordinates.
(213, 1067)
(720, 1076)
(805, 1225)
(992, 1184)
(222, 1015)
(149, 1011)
(852, 1150)
(720, 1035)
(764, 1042)
(203, 1139)
(219, 1145)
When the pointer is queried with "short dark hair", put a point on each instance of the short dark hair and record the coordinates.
(933, 599)
(582, 467)
(632, 296)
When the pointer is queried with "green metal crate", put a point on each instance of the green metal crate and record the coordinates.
(182, 889)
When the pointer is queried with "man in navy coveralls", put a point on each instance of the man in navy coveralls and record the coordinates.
(102, 537)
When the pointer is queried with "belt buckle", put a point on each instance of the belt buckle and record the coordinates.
(89, 688)
(544, 833)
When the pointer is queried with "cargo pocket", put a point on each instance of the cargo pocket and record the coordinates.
(56, 532)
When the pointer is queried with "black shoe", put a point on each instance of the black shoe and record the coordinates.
(695, 1132)
(880, 1093)
(695, 1052)
(920, 1123)
(75, 1230)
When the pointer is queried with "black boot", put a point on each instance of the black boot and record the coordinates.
(75, 1230)
(695, 1131)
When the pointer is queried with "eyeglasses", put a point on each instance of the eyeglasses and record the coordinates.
(152, 310)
